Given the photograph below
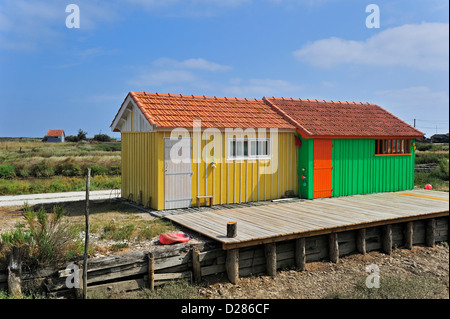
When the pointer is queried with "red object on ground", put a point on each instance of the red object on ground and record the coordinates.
(170, 238)
(428, 186)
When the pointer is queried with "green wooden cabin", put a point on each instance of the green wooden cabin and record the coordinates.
(349, 148)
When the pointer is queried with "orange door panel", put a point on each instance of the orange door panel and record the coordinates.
(322, 168)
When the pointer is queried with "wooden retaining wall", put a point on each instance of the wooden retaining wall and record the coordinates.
(196, 259)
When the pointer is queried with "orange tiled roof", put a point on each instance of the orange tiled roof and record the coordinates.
(55, 133)
(343, 119)
(169, 110)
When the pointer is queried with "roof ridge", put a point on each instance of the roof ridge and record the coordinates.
(287, 117)
(192, 96)
(319, 101)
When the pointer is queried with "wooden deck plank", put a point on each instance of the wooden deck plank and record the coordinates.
(283, 221)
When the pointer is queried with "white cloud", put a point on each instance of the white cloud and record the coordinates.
(193, 63)
(261, 87)
(158, 78)
(419, 46)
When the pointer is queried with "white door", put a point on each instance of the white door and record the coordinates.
(177, 170)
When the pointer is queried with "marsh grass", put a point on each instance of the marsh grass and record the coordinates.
(439, 176)
(57, 184)
(28, 165)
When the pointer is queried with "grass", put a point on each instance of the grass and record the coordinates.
(439, 176)
(57, 184)
(176, 289)
(28, 167)
(394, 287)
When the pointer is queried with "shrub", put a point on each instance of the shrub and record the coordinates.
(7, 171)
(68, 168)
(71, 138)
(41, 170)
(48, 240)
(423, 147)
(442, 171)
(428, 157)
(20, 171)
(114, 170)
(98, 170)
(102, 138)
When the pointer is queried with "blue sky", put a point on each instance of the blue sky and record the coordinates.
(53, 77)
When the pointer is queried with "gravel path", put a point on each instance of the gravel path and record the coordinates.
(34, 199)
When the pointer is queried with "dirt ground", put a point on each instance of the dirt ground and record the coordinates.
(422, 265)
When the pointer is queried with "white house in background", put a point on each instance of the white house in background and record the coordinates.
(55, 136)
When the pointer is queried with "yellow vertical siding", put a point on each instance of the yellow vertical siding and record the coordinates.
(237, 181)
(143, 167)
(234, 181)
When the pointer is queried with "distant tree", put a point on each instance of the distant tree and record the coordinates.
(71, 138)
(102, 138)
(81, 135)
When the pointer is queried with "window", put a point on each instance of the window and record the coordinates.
(392, 146)
(248, 148)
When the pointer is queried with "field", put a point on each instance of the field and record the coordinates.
(436, 157)
(33, 166)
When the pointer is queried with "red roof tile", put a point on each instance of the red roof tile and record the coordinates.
(55, 133)
(171, 110)
(343, 119)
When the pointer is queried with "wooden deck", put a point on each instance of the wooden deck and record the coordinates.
(285, 221)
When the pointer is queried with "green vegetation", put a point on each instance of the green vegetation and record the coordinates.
(45, 239)
(32, 166)
(57, 184)
(438, 156)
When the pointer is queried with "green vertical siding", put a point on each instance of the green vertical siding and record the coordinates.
(305, 167)
(356, 169)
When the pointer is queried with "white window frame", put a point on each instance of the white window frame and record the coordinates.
(249, 141)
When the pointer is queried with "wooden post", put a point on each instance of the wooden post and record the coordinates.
(15, 273)
(430, 233)
(231, 229)
(151, 270)
(270, 251)
(232, 265)
(86, 240)
(196, 264)
(386, 239)
(148, 203)
(361, 240)
(333, 247)
(139, 199)
(300, 253)
(409, 235)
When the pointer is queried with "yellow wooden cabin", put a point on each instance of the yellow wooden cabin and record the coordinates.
(181, 151)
